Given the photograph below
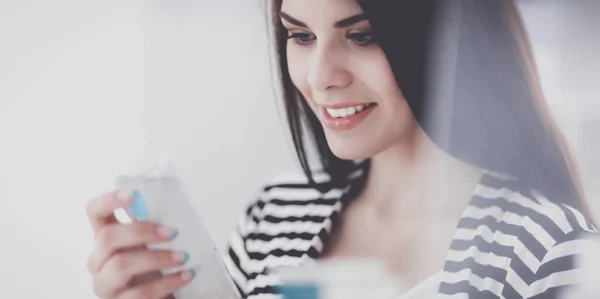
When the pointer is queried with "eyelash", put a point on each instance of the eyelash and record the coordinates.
(297, 37)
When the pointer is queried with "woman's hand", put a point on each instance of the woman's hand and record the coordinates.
(121, 264)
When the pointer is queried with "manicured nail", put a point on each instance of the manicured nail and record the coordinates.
(181, 256)
(188, 275)
(138, 206)
(167, 232)
(124, 195)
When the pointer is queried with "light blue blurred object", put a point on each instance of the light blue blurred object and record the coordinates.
(339, 279)
(299, 291)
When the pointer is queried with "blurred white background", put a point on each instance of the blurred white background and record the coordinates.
(74, 108)
(71, 101)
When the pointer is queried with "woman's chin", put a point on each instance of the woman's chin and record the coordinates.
(352, 152)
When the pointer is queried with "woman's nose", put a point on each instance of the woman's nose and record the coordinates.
(327, 70)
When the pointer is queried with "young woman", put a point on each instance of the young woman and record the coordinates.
(470, 191)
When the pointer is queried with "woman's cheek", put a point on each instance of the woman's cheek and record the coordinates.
(298, 71)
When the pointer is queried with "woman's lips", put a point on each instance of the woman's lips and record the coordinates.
(347, 122)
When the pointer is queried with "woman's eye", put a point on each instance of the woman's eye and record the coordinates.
(361, 39)
(301, 38)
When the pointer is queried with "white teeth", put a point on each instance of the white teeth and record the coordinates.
(351, 111)
(345, 112)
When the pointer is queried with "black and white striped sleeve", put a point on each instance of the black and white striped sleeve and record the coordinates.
(236, 258)
(564, 270)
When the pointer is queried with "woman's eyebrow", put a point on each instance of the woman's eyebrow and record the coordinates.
(349, 21)
(292, 20)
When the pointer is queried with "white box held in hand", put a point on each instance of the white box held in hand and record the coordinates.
(160, 197)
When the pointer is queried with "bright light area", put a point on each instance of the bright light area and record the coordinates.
(71, 103)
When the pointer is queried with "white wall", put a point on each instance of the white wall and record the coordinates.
(71, 90)
(74, 109)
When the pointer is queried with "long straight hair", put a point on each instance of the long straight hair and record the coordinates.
(495, 113)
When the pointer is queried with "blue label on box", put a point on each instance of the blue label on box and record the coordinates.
(138, 207)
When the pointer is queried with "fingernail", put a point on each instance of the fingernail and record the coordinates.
(124, 195)
(138, 207)
(181, 256)
(188, 275)
(167, 232)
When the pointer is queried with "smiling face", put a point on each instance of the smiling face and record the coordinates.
(344, 76)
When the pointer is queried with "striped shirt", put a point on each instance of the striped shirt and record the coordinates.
(511, 241)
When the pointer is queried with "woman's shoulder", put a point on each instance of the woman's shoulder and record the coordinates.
(536, 240)
(532, 208)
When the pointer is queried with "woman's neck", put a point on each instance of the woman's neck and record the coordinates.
(416, 177)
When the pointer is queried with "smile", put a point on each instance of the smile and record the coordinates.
(345, 116)
(348, 111)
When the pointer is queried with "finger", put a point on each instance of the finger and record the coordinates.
(160, 288)
(118, 237)
(100, 210)
(145, 278)
(122, 268)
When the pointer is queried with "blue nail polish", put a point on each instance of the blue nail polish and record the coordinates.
(192, 273)
(186, 257)
(175, 234)
(138, 207)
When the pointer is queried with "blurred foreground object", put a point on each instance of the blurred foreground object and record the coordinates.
(589, 263)
(339, 279)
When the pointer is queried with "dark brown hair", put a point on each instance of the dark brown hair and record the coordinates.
(494, 114)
